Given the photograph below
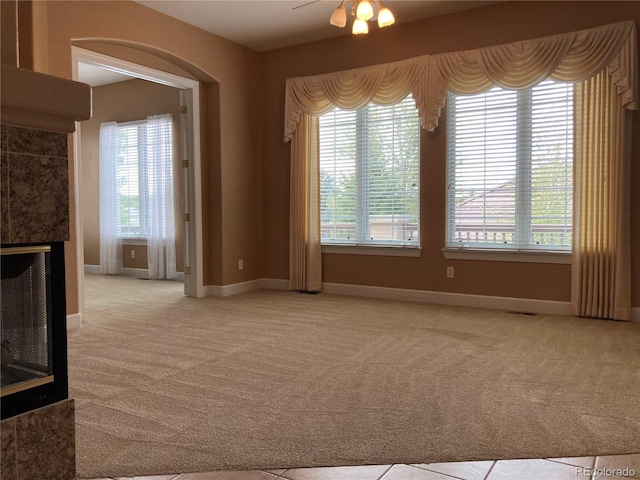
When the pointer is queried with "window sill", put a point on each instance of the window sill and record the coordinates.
(525, 256)
(133, 241)
(387, 251)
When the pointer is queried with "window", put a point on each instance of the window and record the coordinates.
(135, 175)
(131, 180)
(370, 175)
(509, 169)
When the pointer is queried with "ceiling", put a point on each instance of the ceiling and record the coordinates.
(95, 75)
(263, 25)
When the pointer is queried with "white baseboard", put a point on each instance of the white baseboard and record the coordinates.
(243, 287)
(93, 269)
(445, 298)
(460, 299)
(233, 289)
(74, 321)
(135, 272)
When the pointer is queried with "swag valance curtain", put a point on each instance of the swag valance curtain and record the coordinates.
(603, 64)
(569, 57)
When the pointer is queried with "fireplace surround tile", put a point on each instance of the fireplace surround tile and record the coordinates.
(34, 186)
(8, 458)
(40, 444)
(38, 209)
(36, 142)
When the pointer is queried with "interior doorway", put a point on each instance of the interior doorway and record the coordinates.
(189, 118)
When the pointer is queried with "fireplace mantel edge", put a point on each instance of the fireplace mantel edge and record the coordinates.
(43, 102)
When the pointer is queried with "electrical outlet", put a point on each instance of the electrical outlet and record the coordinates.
(449, 272)
(133, 253)
(240, 264)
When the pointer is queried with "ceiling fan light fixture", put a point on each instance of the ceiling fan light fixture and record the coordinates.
(385, 17)
(339, 16)
(360, 27)
(363, 11)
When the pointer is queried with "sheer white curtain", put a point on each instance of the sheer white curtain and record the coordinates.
(110, 244)
(161, 242)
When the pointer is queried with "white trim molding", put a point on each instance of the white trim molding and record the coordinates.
(232, 289)
(374, 250)
(74, 321)
(422, 296)
(446, 298)
(497, 255)
(248, 286)
(196, 286)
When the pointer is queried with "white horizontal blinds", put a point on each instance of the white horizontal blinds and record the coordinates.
(509, 168)
(369, 174)
(552, 128)
(131, 179)
(481, 151)
(338, 176)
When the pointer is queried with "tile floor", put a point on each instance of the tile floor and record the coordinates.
(614, 467)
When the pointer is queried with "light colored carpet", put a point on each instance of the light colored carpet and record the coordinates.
(271, 379)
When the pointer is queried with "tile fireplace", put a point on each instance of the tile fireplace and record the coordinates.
(37, 428)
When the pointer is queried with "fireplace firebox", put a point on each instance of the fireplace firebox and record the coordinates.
(32, 327)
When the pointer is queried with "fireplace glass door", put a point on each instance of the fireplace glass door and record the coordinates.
(26, 315)
(33, 327)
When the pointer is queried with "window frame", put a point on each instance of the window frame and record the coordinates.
(521, 251)
(360, 246)
(143, 200)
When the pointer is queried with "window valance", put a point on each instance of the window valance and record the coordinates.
(570, 57)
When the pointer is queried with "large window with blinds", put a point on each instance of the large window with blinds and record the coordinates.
(131, 179)
(136, 175)
(509, 169)
(370, 175)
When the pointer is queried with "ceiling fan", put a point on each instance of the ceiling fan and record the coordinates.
(362, 10)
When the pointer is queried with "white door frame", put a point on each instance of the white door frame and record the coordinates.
(195, 286)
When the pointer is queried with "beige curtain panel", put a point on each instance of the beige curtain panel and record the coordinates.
(601, 263)
(572, 57)
(305, 256)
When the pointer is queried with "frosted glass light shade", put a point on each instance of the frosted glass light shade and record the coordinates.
(364, 10)
(385, 17)
(360, 27)
(339, 16)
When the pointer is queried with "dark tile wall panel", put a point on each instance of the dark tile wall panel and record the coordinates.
(8, 449)
(40, 444)
(34, 189)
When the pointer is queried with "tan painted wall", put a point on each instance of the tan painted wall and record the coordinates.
(125, 102)
(8, 41)
(495, 24)
(230, 148)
